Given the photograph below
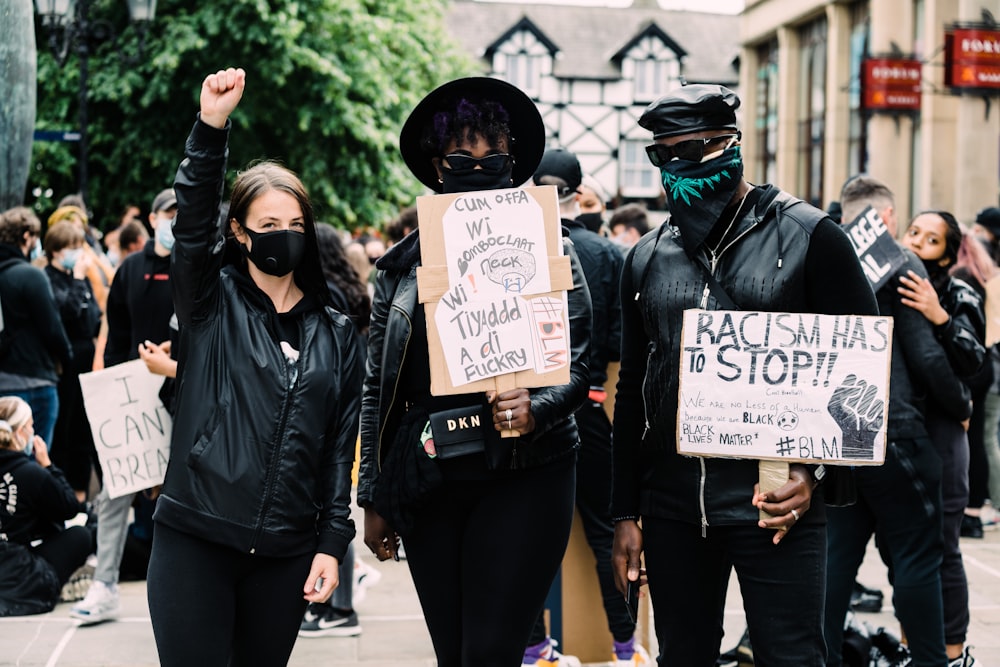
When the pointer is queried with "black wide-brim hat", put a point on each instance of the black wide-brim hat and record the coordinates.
(527, 131)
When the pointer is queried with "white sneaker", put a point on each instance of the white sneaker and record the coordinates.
(365, 576)
(964, 660)
(101, 604)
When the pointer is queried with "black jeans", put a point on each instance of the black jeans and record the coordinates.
(213, 605)
(782, 587)
(483, 554)
(900, 502)
(67, 550)
(593, 500)
(952, 446)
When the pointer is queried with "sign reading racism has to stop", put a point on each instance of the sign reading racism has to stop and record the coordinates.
(784, 386)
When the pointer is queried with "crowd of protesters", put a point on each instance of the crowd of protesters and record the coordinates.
(283, 343)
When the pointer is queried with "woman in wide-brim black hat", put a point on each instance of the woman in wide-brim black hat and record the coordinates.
(484, 532)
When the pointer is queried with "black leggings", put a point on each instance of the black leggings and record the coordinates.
(212, 605)
(483, 555)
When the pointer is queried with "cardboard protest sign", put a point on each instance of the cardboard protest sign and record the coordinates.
(493, 282)
(131, 427)
(784, 386)
(879, 253)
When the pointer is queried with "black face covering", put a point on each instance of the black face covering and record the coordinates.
(276, 253)
(698, 193)
(471, 180)
(591, 221)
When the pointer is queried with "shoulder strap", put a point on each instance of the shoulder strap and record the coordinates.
(714, 286)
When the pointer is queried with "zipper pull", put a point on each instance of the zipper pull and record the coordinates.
(704, 527)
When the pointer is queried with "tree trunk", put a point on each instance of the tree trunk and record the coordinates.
(18, 90)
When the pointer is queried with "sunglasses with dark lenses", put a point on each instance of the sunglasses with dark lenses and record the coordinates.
(692, 150)
(496, 162)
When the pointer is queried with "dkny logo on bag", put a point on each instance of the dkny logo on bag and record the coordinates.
(461, 423)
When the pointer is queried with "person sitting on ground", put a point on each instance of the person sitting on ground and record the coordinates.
(37, 556)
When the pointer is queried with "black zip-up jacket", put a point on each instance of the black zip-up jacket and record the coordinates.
(768, 263)
(384, 400)
(262, 448)
(34, 338)
(139, 305)
(602, 262)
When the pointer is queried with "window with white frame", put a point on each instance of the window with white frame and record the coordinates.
(639, 178)
(522, 60)
(523, 71)
(655, 69)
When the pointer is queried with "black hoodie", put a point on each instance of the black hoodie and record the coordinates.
(35, 345)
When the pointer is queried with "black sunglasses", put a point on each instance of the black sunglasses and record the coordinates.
(496, 162)
(692, 150)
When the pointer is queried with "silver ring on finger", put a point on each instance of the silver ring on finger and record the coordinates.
(795, 513)
(509, 414)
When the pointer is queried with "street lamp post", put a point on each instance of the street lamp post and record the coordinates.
(70, 28)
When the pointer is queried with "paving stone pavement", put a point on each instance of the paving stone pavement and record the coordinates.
(393, 628)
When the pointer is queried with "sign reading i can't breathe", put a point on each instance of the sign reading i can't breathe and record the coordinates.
(784, 386)
(131, 427)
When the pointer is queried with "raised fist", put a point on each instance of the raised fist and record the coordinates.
(220, 93)
(859, 414)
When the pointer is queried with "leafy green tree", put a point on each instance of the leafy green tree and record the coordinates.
(329, 84)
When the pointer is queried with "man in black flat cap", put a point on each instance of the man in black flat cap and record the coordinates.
(727, 245)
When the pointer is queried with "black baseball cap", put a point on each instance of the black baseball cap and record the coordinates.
(560, 168)
(164, 201)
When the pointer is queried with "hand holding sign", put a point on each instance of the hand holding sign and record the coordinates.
(859, 414)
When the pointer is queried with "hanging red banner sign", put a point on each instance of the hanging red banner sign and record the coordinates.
(972, 58)
(891, 84)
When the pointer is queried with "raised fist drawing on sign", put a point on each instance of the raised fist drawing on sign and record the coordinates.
(859, 413)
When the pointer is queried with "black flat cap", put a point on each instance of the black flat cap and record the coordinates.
(692, 108)
(527, 130)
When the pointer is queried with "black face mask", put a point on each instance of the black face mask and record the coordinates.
(591, 221)
(472, 180)
(698, 193)
(276, 253)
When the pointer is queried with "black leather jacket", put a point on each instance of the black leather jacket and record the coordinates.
(262, 448)
(384, 400)
(963, 334)
(768, 263)
(921, 372)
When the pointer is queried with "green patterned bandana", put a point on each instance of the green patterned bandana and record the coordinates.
(698, 192)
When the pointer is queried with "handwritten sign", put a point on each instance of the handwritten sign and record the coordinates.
(131, 427)
(784, 386)
(492, 280)
(879, 253)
